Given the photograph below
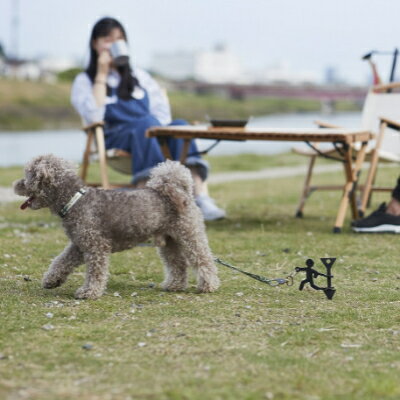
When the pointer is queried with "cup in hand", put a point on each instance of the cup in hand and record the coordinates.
(119, 52)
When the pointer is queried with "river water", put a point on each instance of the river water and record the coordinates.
(16, 148)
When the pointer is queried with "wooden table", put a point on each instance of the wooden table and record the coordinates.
(346, 138)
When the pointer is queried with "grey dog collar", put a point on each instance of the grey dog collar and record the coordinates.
(71, 203)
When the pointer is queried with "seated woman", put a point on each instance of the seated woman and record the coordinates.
(129, 102)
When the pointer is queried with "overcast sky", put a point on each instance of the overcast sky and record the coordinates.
(307, 34)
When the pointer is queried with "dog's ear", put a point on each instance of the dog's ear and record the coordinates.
(19, 187)
(41, 172)
(45, 173)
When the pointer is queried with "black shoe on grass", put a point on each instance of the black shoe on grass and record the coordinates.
(378, 222)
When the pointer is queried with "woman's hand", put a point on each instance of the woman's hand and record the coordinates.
(103, 63)
(100, 82)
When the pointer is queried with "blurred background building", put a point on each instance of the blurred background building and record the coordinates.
(218, 65)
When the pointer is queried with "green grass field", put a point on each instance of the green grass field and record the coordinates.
(245, 341)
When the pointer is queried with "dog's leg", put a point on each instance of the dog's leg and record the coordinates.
(96, 276)
(195, 248)
(62, 266)
(207, 278)
(175, 266)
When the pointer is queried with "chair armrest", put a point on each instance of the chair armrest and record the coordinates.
(391, 123)
(323, 124)
(385, 87)
(92, 126)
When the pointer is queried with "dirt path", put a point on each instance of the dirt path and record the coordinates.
(7, 195)
(270, 173)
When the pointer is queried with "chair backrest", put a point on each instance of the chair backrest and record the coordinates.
(382, 105)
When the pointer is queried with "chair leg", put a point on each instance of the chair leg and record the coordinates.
(86, 156)
(102, 157)
(372, 169)
(368, 205)
(306, 188)
(351, 174)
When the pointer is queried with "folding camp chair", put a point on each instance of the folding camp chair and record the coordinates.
(117, 159)
(380, 112)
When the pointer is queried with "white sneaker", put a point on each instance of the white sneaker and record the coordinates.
(208, 208)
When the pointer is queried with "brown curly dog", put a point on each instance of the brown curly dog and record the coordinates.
(100, 222)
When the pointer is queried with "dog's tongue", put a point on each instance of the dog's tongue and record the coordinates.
(27, 203)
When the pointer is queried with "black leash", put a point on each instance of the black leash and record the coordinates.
(271, 282)
(311, 274)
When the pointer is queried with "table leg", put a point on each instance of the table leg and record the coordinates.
(164, 147)
(185, 150)
(166, 152)
(349, 190)
(306, 188)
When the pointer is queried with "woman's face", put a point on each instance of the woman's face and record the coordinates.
(103, 43)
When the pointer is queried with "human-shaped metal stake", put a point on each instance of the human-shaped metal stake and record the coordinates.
(311, 274)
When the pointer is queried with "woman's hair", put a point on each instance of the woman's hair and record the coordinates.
(128, 82)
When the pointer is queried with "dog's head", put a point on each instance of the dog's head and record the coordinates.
(43, 175)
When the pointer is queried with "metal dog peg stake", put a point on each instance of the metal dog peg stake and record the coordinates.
(312, 274)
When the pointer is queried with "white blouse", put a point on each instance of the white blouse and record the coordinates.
(83, 100)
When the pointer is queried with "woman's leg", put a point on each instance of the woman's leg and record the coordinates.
(200, 186)
(146, 152)
(121, 137)
(384, 219)
(199, 169)
(394, 204)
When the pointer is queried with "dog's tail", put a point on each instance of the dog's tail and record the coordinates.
(174, 181)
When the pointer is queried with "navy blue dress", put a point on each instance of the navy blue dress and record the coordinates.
(126, 122)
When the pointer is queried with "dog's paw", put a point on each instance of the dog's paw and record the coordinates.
(85, 292)
(173, 288)
(208, 286)
(51, 281)
(169, 286)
